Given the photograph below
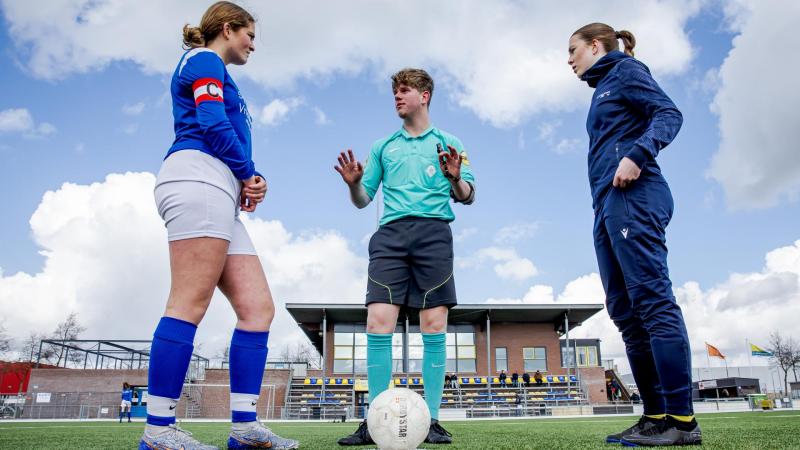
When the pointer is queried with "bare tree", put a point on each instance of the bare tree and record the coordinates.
(29, 350)
(299, 351)
(5, 340)
(785, 354)
(70, 328)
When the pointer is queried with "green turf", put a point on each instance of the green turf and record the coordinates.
(750, 430)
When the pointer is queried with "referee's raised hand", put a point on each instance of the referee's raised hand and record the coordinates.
(450, 163)
(349, 168)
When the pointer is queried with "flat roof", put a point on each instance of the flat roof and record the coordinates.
(309, 315)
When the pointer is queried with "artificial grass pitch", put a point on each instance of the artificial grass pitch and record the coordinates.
(748, 430)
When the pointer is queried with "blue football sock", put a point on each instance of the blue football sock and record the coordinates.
(170, 354)
(434, 362)
(248, 356)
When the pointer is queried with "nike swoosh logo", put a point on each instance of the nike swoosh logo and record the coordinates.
(440, 365)
(393, 149)
(254, 403)
(171, 407)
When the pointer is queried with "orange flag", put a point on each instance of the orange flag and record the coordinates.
(714, 351)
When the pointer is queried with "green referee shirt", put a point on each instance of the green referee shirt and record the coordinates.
(413, 183)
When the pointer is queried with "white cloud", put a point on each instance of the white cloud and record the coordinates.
(515, 233)
(757, 163)
(133, 109)
(321, 117)
(20, 120)
(505, 60)
(548, 135)
(464, 234)
(567, 145)
(277, 110)
(508, 265)
(746, 306)
(105, 257)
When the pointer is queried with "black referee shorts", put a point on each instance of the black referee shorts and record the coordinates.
(411, 264)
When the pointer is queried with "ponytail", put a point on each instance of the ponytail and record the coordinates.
(628, 41)
(192, 37)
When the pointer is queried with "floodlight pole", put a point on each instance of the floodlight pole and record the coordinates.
(489, 353)
(324, 351)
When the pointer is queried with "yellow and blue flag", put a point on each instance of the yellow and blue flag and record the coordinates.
(758, 351)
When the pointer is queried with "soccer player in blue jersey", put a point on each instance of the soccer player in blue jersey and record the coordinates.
(630, 121)
(421, 168)
(125, 405)
(207, 176)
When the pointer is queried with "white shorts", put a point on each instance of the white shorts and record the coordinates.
(197, 195)
(125, 405)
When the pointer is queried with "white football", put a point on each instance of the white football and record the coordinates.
(398, 419)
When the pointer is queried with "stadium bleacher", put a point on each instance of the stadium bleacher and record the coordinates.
(318, 397)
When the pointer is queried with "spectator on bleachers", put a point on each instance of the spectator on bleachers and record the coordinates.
(635, 398)
(446, 380)
(454, 381)
(538, 378)
(526, 378)
(503, 378)
(515, 379)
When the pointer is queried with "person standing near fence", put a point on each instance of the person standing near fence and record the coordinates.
(125, 405)
(630, 121)
(207, 177)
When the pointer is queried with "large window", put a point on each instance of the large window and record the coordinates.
(460, 350)
(350, 349)
(535, 358)
(501, 359)
(587, 356)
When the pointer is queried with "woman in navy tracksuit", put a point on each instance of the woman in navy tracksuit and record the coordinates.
(630, 120)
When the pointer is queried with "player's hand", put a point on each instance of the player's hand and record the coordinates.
(255, 188)
(349, 168)
(627, 173)
(245, 204)
(450, 163)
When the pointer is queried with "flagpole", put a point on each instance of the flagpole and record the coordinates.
(708, 361)
(749, 352)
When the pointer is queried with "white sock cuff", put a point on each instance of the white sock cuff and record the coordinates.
(244, 402)
(161, 406)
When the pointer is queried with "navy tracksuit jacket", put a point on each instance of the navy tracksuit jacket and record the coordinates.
(630, 116)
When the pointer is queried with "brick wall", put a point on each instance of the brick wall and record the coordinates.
(103, 387)
(594, 379)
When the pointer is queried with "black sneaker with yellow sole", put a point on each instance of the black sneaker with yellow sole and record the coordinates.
(642, 424)
(669, 432)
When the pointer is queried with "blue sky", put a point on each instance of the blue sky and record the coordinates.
(108, 112)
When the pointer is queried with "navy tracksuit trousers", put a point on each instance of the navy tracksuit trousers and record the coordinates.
(629, 238)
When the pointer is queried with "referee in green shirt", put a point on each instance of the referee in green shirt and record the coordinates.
(411, 254)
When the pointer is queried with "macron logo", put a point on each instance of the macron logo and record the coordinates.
(624, 232)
